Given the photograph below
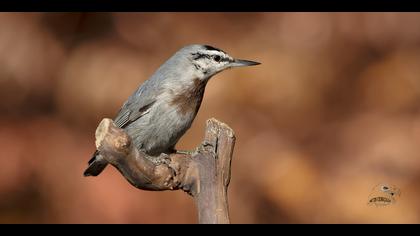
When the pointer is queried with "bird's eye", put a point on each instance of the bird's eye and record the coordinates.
(217, 58)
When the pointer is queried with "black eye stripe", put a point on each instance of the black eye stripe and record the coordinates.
(198, 56)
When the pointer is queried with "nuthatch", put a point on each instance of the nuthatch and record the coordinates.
(163, 108)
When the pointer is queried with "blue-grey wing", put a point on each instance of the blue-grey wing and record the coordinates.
(137, 105)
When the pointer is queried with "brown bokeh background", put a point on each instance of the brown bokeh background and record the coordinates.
(332, 111)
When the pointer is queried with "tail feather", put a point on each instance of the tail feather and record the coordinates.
(96, 165)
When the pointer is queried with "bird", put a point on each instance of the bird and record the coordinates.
(163, 108)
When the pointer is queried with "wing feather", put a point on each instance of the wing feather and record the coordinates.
(138, 104)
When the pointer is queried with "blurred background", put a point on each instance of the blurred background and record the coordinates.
(333, 111)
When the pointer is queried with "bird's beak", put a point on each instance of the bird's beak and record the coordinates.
(238, 62)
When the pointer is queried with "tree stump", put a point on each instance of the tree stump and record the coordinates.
(205, 174)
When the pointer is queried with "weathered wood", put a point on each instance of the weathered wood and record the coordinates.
(214, 165)
(205, 174)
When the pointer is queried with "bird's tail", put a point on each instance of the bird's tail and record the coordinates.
(96, 165)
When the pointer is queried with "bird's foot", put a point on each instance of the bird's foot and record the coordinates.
(158, 160)
(185, 152)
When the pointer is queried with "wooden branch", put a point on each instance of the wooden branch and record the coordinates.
(205, 174)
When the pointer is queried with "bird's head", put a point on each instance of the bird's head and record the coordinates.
(207, 61)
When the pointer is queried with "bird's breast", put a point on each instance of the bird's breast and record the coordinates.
(171, 116)
(187, 100)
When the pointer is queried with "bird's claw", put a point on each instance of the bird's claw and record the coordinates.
(185, 152)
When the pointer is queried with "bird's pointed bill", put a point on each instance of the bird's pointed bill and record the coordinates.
(239, 62)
